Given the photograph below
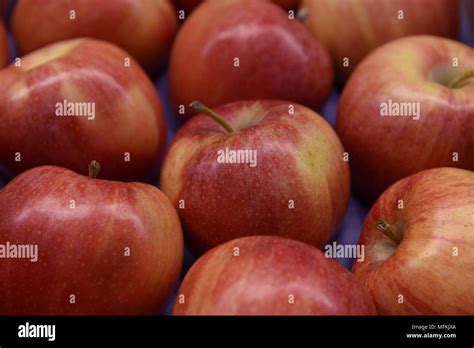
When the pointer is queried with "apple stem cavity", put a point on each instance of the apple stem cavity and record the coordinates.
(94, 169)
(212, 114)
(459, 82)
(389, 231)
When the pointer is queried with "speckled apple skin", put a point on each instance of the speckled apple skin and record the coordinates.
(129, 116)
(270, 276)
(145, 28)
(278, 58)
(81, 250)
(437, 216)
(299, 158)
(386, 149)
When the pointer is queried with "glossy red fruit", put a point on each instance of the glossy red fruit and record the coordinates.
(103, 247)
(143, 28)
(233, 50)
(264, 275)
(79, 100)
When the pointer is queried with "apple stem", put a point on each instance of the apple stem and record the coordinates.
(458, 82)
(302, 14)
(212, 114)
(94, 169)
(389, 231)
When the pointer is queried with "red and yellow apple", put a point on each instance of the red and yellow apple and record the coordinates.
(145, 29)
(419, 237)
(233, 50)
(78, 100)
(353, 28)
(426, 82)
(85, 246)
(268, 168)
(264, 275)
(3, 46)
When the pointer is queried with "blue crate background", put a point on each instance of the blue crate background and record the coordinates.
(350, 229)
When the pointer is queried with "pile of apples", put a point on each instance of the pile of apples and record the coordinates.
(245, 75)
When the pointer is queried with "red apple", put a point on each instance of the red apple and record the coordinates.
(264, 275)
(419, 239)
(291, 181)
(145, 29)
(353, 28)
(231, 50)
(102, 247)
(3, 46)
(121, 124)
(408, 74)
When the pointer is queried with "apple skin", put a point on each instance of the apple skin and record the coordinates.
(129, 115)
(438, 215)
(3, 46)
(261, 279)
(145, 29)
(353, 28)
(284, 62)
(299, 158)
(81, 251)
(386, 149)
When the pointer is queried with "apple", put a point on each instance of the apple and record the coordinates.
(414, 77)
(3, 46)
(418, 253)
(353, 28)
(233, 50)
(145, 29)
(266, 275)
(78, 100)
(265, 167)
(71, 244)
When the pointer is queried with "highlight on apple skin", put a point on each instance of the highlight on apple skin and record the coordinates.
(246, 49)
(102, 247)
(265, 275)
(145, 29)
(3, 45)
(351, 29)
(278, 169)
(408, 107)
(418, 241)
(78, 100)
